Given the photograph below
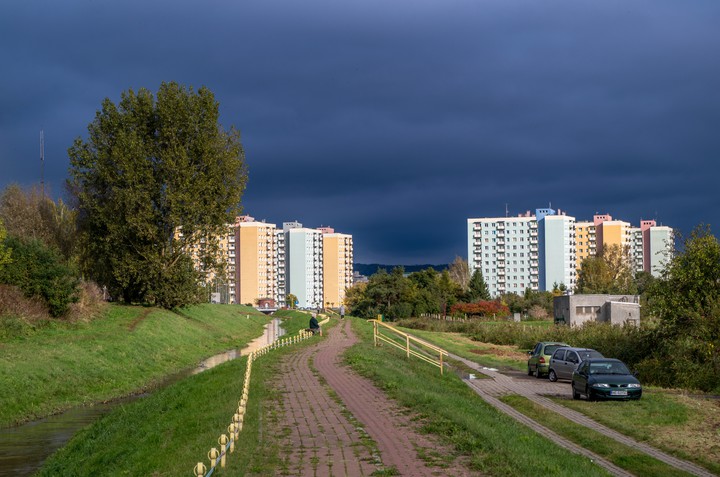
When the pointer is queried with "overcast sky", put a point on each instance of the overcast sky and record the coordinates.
(395, 121)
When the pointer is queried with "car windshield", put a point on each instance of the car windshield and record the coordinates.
(608, 367)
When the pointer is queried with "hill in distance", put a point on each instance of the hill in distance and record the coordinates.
(368, 269)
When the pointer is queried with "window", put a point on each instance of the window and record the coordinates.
(559, 354)
(572, 357)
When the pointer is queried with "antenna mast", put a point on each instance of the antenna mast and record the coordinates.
(42, 162)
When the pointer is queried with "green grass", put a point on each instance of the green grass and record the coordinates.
(494, 356)
(167, 433)
(128, 350)
(491, 442)
(636, 462)
(684, 427)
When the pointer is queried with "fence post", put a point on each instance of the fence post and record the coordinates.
(441, 364)
(213, 455)
(222, 440)
(407, 345)
(375, 331)
(199, 470)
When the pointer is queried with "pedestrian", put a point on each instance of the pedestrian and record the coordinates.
(314, 325)
(342, 312)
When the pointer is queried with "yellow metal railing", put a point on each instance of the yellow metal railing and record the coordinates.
(413, 346)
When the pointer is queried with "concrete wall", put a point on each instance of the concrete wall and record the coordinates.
(576, 310)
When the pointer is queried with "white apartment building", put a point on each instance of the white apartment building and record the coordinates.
(304, 264)
(556, 249)
(505, 250)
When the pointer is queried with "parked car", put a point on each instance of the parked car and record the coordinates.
(565, 360)
(539, 360)
(605, 379)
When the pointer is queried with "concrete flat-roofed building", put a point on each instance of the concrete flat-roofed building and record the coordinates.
(256, 264)
(304, 264)
(337, 266)
(576, 310)
(505, 250)
(556, 249)
(280, 264)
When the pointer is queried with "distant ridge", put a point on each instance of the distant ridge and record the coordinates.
(368, 269)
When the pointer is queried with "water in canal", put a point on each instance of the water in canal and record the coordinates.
(23, 449)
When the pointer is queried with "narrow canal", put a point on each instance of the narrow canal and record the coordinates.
(23, 449)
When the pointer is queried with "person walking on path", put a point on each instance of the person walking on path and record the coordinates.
(342, 312)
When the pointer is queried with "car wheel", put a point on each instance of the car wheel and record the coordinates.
(530, 373)
(589, 394)
(552, 376)
(537, 373)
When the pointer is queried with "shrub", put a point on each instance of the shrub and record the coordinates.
(480, 308)
(39, 271)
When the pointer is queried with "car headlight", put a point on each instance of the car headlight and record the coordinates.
(634, 385)
(601, 385)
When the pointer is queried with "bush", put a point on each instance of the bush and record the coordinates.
(481, 308)
(40, 272)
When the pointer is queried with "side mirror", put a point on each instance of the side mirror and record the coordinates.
(530, 353)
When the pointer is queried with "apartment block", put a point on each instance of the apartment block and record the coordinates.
(337, 266)
(659, 245)
(304, 264)
(556, 249)
(505, 250)
(537, 252)
(256, 264)
(585, 243)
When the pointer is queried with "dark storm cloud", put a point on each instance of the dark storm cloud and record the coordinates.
(396, 121)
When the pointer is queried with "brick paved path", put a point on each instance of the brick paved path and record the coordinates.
(323, 436)
(536, 390)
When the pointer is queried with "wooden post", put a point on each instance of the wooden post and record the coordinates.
(407, 345)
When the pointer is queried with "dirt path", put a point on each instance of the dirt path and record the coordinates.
(337, 423)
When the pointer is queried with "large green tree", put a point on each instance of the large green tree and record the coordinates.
(610, 272)
(687, 295)
(156, 178)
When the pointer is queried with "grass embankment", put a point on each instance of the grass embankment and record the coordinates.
(168, 432)
(492, 442)
(128, 350)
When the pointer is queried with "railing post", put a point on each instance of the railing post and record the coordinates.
(375, 332)
(441, 364)
(407, 346)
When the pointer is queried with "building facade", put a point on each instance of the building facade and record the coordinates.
(304, 264)
(256, 265)
(337, 266)
(556, 249)
(505, 250)
(537, 252)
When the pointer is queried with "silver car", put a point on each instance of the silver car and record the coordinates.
(566, 360)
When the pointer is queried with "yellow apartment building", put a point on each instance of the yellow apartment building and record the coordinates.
(612, 232)
(256, 274)
(337, 266)
(585, 244)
